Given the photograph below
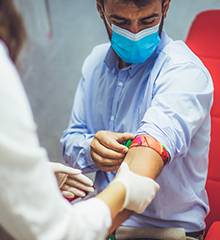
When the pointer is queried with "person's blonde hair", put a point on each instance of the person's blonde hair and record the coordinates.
(12, 30)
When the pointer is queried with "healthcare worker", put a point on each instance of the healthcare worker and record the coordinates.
(31, 205)
(145, 83)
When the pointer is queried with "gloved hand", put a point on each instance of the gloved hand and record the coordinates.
(140, 191)
(71, 182)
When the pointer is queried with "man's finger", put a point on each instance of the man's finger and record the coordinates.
(103, 161)
(122, 137)
(105, 151)
(111, 143)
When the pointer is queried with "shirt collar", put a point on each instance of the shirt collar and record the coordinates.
(111, 60)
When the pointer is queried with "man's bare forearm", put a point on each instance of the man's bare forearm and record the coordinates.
(145, 162)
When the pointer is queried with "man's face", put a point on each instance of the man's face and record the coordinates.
(131, 17)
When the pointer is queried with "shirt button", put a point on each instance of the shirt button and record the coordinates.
(120, 84)
(112, 118)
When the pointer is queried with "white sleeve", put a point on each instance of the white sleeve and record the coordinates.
(31, 206)
(96, 219)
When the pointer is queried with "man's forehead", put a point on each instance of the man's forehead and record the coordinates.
(136, 3)
(129, 9)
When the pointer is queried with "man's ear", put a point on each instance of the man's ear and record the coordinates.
(166, 4)
(99, 7)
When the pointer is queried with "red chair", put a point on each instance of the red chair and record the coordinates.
(204, 40)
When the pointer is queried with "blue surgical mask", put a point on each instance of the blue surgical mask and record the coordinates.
(134, 48)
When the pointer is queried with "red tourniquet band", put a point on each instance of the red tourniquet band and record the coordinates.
(150, 142)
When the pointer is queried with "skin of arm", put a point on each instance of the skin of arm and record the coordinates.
(115, 204)
(145, 162)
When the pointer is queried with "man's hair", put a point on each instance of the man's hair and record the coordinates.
(138, 3)
(12, 30)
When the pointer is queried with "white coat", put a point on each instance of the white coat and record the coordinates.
(31, 206)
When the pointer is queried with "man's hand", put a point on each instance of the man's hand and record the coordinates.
(108, 151)
(71, 182)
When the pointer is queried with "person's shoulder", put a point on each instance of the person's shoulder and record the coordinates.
(12, 92)
(178, 53)
(179, 65)
(100, 51)
(4, 56)
(95, 58)
(7, 68)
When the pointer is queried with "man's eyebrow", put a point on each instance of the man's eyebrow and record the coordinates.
(142, 19)
(118, 17)
(151, 16)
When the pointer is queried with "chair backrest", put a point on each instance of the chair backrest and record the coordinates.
(204, 40)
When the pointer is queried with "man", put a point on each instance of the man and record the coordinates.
(149, 85)
(31, 206)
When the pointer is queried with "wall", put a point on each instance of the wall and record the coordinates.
(51, 67)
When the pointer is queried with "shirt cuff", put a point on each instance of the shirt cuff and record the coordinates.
(83, 158)
(80, 157)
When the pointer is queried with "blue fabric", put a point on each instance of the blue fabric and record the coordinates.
(169, 97)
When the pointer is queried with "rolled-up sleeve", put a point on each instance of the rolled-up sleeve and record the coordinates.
(76, 138)
(181, 101)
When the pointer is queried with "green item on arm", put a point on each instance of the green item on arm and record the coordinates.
(128, 143)
(111, 237)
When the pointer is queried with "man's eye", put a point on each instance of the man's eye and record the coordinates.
(120, 22)
(148, 22)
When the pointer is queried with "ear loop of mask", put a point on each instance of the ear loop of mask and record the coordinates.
(107, 22)
(162, 20)
(105, 18)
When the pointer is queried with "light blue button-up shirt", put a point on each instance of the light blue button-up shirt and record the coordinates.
(168, 97)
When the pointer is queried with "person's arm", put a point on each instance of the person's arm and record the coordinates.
(30, 202)
(98, 212)
(31, 206)
(76, 138)
(95, 215)
(182, 100)
(140, 190)
(83, 150)
(143, 161)
(79, 134)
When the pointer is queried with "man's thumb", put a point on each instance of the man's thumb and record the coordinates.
(122, 137)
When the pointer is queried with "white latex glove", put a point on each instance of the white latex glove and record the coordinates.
(71, 181)
(140, 191)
